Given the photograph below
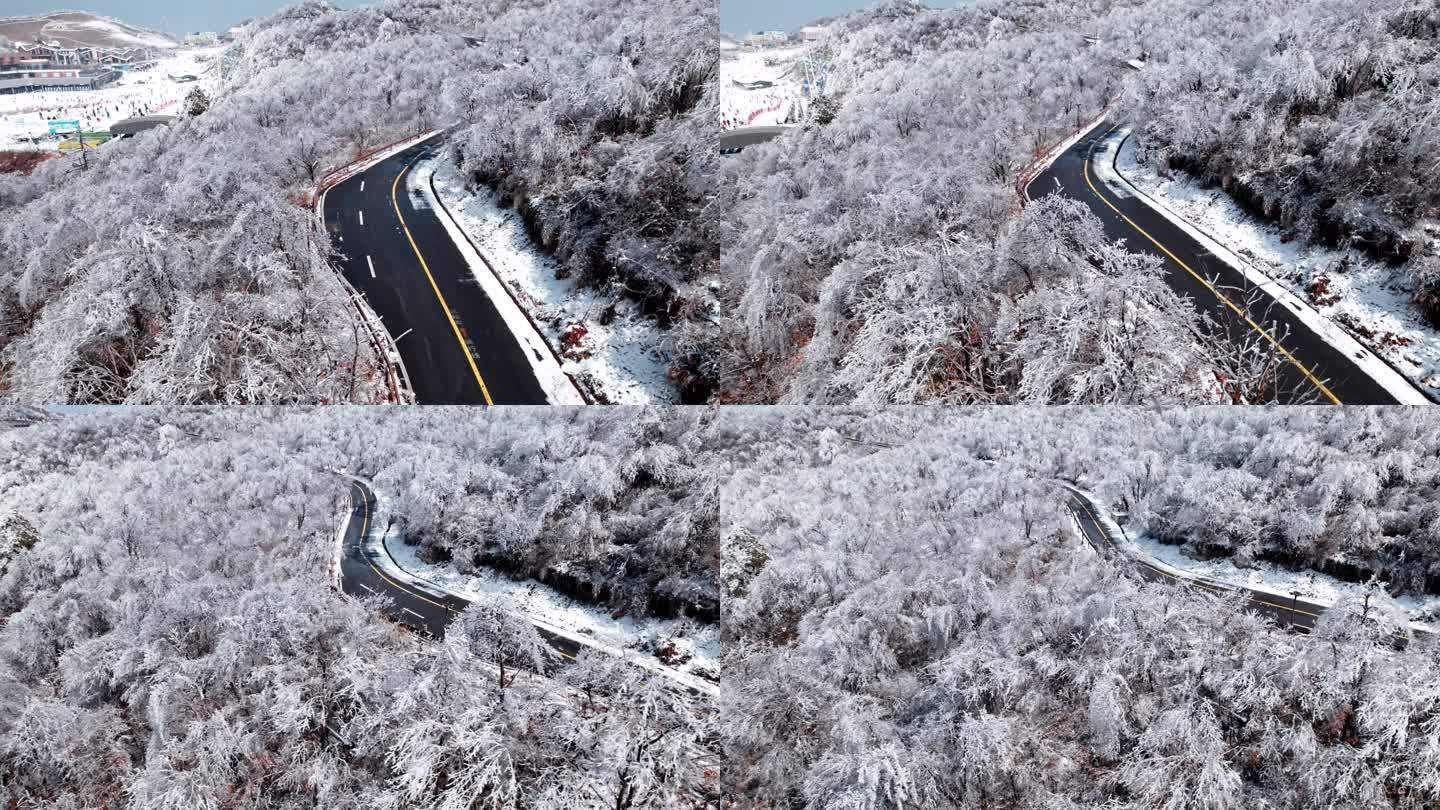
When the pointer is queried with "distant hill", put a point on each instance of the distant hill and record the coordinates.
(76, 29)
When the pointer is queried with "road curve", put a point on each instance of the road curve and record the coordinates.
(419, 608)
(395, 251)
(1296, 613)
(1312, 371)
(429, 609)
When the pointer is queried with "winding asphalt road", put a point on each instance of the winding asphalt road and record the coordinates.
(1311, 371)
(416, 607)
(734, 140)
(394, 250)
(1296, 613)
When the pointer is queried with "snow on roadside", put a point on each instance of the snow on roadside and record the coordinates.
(1315, 587)
(624, 361)
(559, 387)
(539, 601)
(1366, 300)
(1280, 581)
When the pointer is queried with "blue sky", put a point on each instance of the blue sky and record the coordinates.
(168, 16)
(743, 16)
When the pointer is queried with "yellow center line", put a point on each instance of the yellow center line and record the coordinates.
(365, 525)
(1221, 296)
(395, 199)
(1254, 596)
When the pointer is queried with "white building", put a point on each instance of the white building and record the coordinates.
(810, 33)
(767, 38)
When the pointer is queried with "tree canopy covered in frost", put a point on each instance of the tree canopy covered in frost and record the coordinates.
(1354, 494)
(1319, 114)
(172, 638)
(183, 266)
(926, 628)
(618, 507)
(883, 256)
(603, 139)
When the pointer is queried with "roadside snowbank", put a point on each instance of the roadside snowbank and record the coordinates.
(1279, 581)
(624, 361)
(1363, 303)
(1263, 577)
(634, 642)
(559, 388)
(544, 604)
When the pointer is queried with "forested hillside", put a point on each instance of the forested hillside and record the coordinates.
(918, 624)
(170, 636)
(883, 256)
(1319, 115)
(1355, 495)
(183, 266)
(617, 507)
(605, 145)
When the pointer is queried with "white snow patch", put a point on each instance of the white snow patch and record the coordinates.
(767, 106)
(626, 359)
(1279, 581)
(24, 117)
(546, 605)
(559, 388)
(1366, 295)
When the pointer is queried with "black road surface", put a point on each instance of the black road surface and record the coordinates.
(734, 140)
(1296, 613)
(394, 250)
(1314, 371)
(420, 608)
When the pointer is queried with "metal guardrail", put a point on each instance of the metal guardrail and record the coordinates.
(397, 376)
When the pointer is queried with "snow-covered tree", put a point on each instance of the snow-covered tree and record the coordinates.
(495, 632)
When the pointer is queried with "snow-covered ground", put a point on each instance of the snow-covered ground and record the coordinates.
(25, 117)
(541, 602)
(772, 105)
(1265, 576)
(623, 360)
(1366, 299)
(1315, 587)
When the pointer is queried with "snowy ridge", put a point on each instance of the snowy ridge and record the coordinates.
(394, 570)
(1374, 367)
(82, 29)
